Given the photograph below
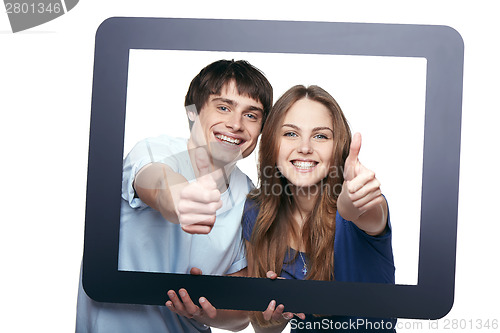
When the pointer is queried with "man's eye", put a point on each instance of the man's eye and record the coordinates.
(251, 116)
(223, 108)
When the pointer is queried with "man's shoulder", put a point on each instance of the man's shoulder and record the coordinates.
(155, 149)
(174, 144)
(239, 175)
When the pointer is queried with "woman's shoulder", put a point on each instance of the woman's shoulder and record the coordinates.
(251, 205)
(250, 213)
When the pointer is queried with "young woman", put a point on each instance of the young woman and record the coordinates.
(319, 213)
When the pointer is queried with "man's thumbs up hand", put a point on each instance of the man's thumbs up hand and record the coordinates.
(200, 200)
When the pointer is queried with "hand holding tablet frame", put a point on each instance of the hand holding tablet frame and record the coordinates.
(441, 46)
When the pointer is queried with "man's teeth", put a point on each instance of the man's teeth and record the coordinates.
(303, 164)
(228, 139)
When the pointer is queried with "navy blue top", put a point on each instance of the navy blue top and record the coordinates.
(358, 257)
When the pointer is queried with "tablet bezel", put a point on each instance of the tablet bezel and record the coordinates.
(441, 46)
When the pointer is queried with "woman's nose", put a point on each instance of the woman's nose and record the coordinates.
(305, 147)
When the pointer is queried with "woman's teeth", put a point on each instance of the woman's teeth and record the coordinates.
(303, 164)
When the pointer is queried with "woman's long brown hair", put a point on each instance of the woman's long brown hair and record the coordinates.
(274, 228)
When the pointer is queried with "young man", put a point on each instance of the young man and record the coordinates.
(182, 200)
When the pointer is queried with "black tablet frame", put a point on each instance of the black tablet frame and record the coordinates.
(443, 49)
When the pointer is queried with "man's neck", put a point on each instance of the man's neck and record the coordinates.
(219, 174)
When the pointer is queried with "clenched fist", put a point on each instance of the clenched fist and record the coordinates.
(199, 200)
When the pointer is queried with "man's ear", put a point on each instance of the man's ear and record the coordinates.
(191, 112)
(191, 116)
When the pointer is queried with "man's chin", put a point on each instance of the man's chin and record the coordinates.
(223, 154)
(223, 159)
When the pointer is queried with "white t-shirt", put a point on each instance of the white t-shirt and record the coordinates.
(150, 243)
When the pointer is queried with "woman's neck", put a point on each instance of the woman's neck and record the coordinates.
(304, 201)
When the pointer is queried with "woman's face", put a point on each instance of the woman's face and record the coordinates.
(306, 143)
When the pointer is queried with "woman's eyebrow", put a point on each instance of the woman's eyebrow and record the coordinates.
(315, 129)
(292, 126)
(322, 128)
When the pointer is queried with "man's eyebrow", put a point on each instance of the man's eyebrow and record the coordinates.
(315, 129)
(225, 100)
(234, 103)
(255, 108)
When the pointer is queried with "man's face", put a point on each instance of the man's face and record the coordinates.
(229, 124)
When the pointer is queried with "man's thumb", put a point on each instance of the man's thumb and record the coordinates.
(202, 161)
(205, 167)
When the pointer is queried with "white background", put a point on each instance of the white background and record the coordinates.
(374, 92)
(45, 96)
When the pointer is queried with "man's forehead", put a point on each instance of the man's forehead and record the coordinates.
(229, 93)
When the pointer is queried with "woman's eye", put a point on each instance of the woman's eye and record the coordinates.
(320, 136)
(290, 134)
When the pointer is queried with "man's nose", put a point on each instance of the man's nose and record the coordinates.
(234, 121)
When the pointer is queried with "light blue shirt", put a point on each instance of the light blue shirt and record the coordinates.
(150, 243)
